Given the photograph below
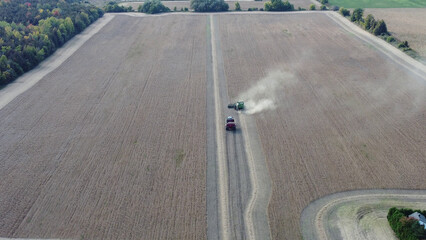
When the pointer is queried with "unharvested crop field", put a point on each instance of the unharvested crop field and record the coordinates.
(405, 24)
(379, 3)
(346, 117)
(111, 145)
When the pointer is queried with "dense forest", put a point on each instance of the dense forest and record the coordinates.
(31, 30)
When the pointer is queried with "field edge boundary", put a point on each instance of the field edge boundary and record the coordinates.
(387, 49)
(31, 78)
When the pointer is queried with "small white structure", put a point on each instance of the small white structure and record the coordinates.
(419, 217)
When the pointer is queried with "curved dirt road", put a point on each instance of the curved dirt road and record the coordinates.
(356, 214)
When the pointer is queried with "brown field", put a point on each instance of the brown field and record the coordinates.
(244, 4)
(408, 24)
(346, 116)
(111, 145)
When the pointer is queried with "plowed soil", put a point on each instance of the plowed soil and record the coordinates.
(111, 145)
(344, 117)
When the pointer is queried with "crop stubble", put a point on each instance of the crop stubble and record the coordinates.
(111, 144)
(349, 118)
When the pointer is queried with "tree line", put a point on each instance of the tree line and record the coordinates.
(156, 6)
(376, 27)
(31, 30)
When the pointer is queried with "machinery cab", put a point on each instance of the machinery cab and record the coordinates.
(230, 124)
(239, 105)
(230, 119)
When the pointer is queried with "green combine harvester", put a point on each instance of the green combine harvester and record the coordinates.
(237, 106)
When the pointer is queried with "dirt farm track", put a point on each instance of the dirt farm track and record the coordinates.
(121, 140)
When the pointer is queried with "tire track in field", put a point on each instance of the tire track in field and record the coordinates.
(256, 214)
(243, 182)
(222, 174)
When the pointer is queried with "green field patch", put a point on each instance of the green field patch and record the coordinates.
(179, 157)
(379, 3)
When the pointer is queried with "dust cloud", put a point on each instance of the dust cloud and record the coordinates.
(262, 96)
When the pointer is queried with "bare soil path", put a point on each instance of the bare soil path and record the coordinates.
(243, 182)
(234, 175)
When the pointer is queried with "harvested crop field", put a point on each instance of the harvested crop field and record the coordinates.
(111, 145)
(340, 115)
(408, 24)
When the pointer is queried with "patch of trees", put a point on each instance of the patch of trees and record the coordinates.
(278, 5)
(237, 6)
(357, 15)
(32, 30)
(209, 5)
(345, 12)
(370, 24)
(153, 7)
(323, 2)
(114, 7)
(175, 9)
(378, 28)
(406, 228)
